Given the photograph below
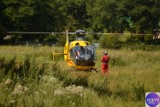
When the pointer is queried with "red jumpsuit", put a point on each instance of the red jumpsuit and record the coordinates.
(105, 60)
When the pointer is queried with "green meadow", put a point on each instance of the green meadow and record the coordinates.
(29, 77)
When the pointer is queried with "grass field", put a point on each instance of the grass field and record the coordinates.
(30, 78)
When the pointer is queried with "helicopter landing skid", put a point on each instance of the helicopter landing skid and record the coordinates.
(93, 69)
(86, 70)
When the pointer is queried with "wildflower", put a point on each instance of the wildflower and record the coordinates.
(36, 93)
(8, 82)
(69, 90)
(74, 89)
(12, 101)
(44, 92)
(18, 89)
(59, 92)
(26, 89)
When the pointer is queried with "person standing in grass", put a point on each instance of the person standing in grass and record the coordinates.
(105, 60)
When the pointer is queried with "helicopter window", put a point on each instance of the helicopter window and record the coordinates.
(74, 53)
(77, 44)
(71, 53)
(87, 43)
(91, 50)
(77, 54)
(78, 51)
(83, 53)
(82, 50)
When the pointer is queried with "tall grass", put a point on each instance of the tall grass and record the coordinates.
(30, 77)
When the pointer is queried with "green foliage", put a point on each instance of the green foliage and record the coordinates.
(100, 85)
(29, 77)
(61, 40)
(117, 61)
(110, 41)
(140, 38)
(50, 38)
(139, 92)
(148, 46)
(59, 15)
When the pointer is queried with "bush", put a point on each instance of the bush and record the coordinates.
(117, 61)
(139, 38)
(110, 41)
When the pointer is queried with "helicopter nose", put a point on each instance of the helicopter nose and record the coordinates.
(85, 61)
(88, 57)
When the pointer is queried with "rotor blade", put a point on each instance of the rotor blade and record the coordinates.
(71, 33)
(17, 32)
(116, 33)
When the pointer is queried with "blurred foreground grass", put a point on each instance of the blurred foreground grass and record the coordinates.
(29, 77)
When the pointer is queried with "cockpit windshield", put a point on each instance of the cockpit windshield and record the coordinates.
(83, 52)
(91, 50)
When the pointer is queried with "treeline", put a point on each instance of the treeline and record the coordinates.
(91, 15)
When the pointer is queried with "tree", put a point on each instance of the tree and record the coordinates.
(93, 15)
(76, 15)
(145, 15)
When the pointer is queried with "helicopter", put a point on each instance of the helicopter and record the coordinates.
(79, 53)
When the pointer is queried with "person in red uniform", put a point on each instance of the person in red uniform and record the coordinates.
(105, 60)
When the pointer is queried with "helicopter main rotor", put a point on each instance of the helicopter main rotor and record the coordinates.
(78, 32)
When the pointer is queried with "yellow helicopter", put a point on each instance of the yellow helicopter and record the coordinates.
(79, 53)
